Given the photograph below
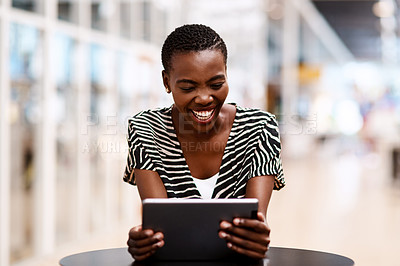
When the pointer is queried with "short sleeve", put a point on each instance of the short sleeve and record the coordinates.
(267, 159)
(137, 156)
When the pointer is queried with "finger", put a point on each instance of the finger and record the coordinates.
(135, 229)
(259, 247)
(249, 253)
(141, 257)
(142, 242)
(137, 233)
(260, 216)
(246, 234)
(256, 225)
(146, 241)
(139, 251)
(248, 224)
(158, 237)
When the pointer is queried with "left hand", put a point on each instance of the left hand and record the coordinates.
(249, 237)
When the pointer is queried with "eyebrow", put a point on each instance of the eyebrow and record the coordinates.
(216, 77)
(187, 81)
(194, 82)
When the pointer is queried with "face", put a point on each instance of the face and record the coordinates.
(198, 83)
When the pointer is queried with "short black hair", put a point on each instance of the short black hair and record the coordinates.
(191, 38)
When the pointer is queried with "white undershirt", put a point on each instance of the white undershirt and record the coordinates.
(206, 186)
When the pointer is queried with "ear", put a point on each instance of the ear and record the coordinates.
(165, 78)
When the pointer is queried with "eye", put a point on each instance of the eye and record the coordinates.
(216, 86)
(187, 89)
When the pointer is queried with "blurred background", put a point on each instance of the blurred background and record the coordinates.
(72, 72)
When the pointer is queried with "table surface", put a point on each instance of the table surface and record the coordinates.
(276, 256)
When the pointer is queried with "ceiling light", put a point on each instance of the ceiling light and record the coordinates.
(384, 9)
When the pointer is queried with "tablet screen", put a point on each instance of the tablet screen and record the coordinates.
(191, 226)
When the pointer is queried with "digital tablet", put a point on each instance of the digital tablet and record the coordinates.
(191, 226)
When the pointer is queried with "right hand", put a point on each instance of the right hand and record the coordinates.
(144, 243)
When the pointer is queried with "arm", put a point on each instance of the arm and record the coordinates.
(143, 243)
(250, 237)
(261, 187)
(149, 184)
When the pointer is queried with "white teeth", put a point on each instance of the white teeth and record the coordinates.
(203, 115)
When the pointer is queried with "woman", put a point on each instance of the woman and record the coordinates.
(201, 147)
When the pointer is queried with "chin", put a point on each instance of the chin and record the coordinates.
(205, 128)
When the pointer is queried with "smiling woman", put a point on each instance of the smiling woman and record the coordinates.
(201, 138)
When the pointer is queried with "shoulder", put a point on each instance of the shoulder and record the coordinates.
(261, 127)
(255, 117)
(256, 124)
(153, 118)
(151, 113)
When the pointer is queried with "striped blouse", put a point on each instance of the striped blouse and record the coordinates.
(253, 149)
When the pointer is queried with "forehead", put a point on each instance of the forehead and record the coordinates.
(197, 63)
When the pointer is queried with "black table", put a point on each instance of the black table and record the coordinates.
(276, 256)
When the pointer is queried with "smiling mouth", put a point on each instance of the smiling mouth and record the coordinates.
(203, 115)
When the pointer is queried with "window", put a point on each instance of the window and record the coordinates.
(68, 10)
(66, 116)
(28, 5)
(125, 19)
(146, 20)
(25, 99)
(101, 134)
(101, 10)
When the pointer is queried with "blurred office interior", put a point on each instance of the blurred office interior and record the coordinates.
(71, 72)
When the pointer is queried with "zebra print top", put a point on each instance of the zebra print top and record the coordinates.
(253, 149)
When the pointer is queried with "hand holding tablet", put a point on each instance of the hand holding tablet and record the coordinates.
(143, 243)
(249, 237)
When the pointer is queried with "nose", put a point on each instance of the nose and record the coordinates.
(204, 97)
